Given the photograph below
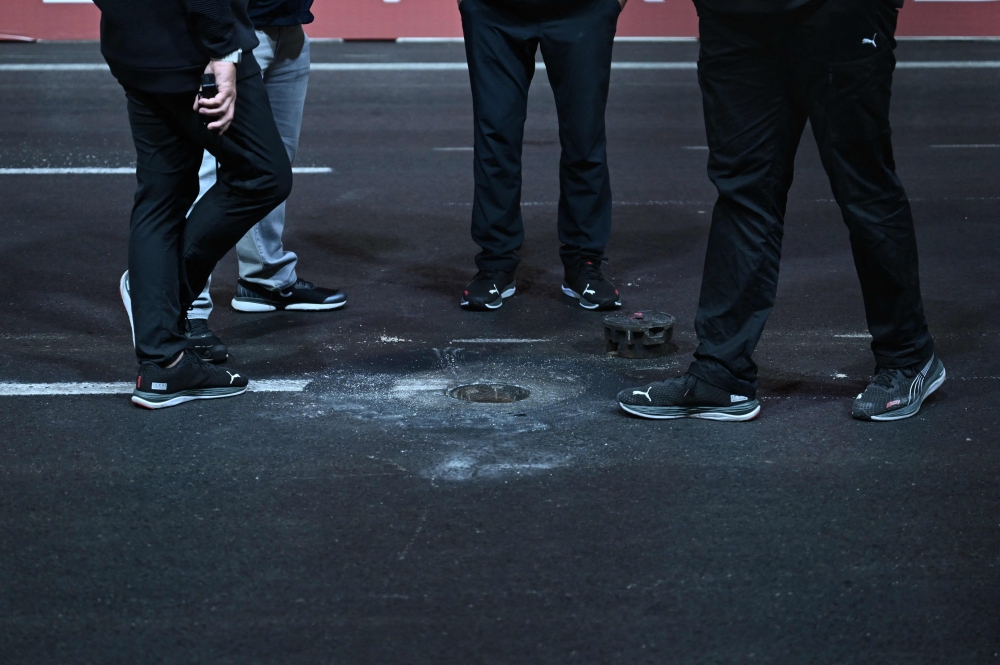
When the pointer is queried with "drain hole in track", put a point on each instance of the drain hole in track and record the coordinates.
(490, 393)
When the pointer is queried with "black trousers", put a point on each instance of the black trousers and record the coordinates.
(171, 255)
(500, 47)
(761, 79)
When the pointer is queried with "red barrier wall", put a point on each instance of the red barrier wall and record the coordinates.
(378, 19)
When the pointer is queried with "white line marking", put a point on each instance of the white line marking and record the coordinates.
(968, 145)
(464, 149)
(500, 340)
(696, 147)
(950, 64)
(38, 389)
(461, 66)
(853, 336)
(126, 170)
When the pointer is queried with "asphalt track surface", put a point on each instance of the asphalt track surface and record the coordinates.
(371, 518)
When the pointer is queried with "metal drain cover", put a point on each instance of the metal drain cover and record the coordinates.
(490, 393)
(638, 335)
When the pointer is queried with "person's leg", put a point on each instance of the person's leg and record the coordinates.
(203, 305)
(283, 55)
(845, 72)
(501, 54)
(166, 171)
(254, 176)
(753, 127)
(577, 51)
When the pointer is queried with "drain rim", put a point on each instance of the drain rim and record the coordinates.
(519, 393)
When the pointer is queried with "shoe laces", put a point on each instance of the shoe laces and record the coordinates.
(885, 377)
(592, 269)
(303, 284)
(198, 328)
(490, 275)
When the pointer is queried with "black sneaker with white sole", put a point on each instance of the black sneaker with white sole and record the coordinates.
(895, 394)
(190, 379)
(302, 296)
(488, 289)
(204, 343)
(586, 282)
(687, 397)
(126, 293)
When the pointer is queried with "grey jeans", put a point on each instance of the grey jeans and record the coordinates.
(283, 55)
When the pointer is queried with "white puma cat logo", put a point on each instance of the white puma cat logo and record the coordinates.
(870, 41)
(589, 291)
(232, 377)
(494, 290)
(644, 394)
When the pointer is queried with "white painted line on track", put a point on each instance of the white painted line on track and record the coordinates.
(461, 66)
(499, 340)
(126, 170)
(463, 149)
(967, 145)
(59, 389)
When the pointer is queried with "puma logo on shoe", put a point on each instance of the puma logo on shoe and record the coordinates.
(494, 290)
(233, 377)
(738, 398)
(644, 394)
(870, 41)
(589, 291)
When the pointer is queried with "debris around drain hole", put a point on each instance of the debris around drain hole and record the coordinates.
(638, 335)
(489, 393)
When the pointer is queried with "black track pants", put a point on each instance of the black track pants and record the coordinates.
(500, 47)
(171, 255)
(761, 80)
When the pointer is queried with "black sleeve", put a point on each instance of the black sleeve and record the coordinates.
(215, 25)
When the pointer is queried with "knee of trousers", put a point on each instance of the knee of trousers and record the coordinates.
(272, 185)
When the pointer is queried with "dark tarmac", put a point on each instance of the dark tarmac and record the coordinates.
(372, 519)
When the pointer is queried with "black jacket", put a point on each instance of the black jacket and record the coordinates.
(279, 13)
(163, 46)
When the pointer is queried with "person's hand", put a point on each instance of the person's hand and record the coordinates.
(221, 108)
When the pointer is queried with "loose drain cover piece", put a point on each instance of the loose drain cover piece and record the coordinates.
(638, 335)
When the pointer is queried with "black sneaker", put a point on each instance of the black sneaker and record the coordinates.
(126, 293)
(687, 397)
(488, 289)
(204, 343)
(895, 394)
(302, 296)
(190, 379)
(587, 283)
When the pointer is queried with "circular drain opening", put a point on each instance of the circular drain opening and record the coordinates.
(490, 393)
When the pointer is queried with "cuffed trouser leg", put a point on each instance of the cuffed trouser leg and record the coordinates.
(501, 53)
(753, 124)
(577, 51)
(170, 258)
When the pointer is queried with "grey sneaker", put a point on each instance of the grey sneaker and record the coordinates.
(687, 397)
(302, 296)
(895, 394)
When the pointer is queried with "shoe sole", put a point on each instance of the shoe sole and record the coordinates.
(127, 301)
(912, 409)
(155, 401)
(261, 306)
(748, 411)
(496, 304)
(586, 304)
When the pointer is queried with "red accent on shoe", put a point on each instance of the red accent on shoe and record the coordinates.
(138, 382)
